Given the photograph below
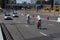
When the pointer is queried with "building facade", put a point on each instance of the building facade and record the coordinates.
(5, 2)
(41, 1)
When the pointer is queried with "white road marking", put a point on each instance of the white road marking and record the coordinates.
(26, 25)
(43, 18)
(51, 24)
(1, 36)
(43, 34)
(53, 20)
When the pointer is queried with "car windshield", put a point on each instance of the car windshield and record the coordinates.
(14, 13)
(7, 14)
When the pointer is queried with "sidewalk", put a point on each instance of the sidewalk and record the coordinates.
(52, 13)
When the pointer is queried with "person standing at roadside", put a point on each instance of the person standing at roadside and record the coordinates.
(38, 22)
(28, 18)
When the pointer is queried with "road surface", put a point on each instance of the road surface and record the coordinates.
(20, 30)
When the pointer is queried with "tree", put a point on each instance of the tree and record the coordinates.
(38, 2)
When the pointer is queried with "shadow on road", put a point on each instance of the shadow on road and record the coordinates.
(55, 35)
(43, 29)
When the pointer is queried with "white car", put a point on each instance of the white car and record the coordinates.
(15, 14)
(7, 17)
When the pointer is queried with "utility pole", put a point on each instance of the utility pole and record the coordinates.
(5, 4)
(52, 4)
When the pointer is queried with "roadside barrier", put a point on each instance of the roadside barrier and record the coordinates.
(58, 19)
(46, 18)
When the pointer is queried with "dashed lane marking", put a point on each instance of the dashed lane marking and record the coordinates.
(43, 34)
(53, 20)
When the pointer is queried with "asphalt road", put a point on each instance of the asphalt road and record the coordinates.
(20, 30)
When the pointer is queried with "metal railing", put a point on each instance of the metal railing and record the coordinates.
(5, 32)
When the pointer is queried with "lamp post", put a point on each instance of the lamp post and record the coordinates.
(52, 4)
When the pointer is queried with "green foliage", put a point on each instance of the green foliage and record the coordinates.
(38, 2)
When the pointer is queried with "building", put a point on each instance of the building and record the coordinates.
(41, 1)
(11, 3)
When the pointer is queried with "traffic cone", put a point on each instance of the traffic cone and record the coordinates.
(33, 16)
(46, 18)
